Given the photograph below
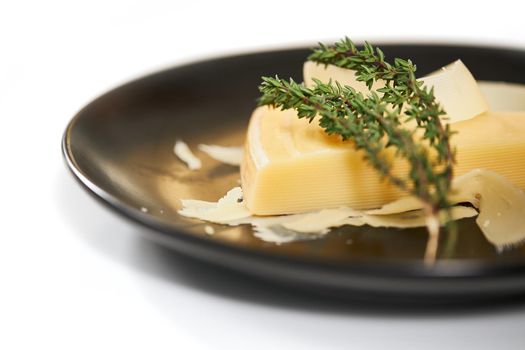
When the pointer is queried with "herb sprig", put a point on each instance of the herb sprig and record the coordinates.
(379, 121)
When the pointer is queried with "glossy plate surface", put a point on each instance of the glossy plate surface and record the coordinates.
(120, 147)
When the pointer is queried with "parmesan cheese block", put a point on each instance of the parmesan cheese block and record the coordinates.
(293, 166)
(454, 87)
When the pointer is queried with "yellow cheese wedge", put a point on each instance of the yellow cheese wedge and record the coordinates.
(292, 166)
(454, 87)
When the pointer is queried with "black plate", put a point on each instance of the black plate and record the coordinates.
(120, 148)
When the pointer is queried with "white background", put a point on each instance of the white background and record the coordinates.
(73, 276)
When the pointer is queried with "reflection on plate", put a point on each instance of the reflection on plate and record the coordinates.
(120, 148)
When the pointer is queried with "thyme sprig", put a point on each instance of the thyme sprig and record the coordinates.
(379, 121)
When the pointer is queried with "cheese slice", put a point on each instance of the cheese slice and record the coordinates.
(184, 153)
(226, 155)
(501, 208)
(231, 210)
(501, 205)
(502, 96)
(293, 166)
(454, 87)
(457, 91)
(329, 72)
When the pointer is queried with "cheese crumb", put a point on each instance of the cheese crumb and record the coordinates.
(209, 230)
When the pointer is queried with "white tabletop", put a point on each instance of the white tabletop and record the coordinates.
(74, 276)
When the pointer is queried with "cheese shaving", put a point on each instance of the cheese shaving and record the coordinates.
(320, 221)
(416, 218)
(184, 153)
(501, 205)
(226, 155)
(503, 97)
(454, 87)
(501, 212)
(228, 209)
